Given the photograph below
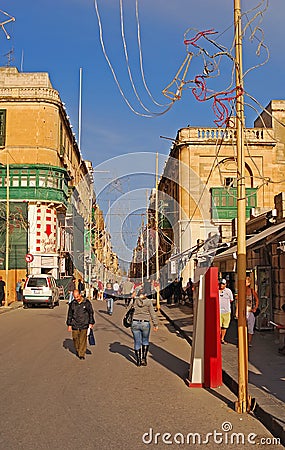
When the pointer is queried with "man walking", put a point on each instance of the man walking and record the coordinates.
(80, 317)
(127, 290)
(225, 298)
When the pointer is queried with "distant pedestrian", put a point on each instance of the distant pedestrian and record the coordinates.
(189, 290)
(252, 302)
(23, 282)
(81, 286)
(100, 290)
(71, 287)
(2, 291)
(225, 298)
(147, 288)
(80, 317)
(116, 289)
(143, 313)
(127, 290)
(18, 290)
(176, 286)
(108, 295)
(95, 290)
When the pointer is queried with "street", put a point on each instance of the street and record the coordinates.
(52, 400)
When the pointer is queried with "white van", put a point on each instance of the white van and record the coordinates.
(40, 289)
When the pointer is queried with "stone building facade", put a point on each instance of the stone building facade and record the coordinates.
(46, 187)
(200, 177)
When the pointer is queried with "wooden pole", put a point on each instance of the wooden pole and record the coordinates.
(243, 403)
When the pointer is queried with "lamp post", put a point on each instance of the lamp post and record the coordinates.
(7, 230)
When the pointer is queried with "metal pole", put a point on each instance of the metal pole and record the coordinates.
(243, 403)
(156, 233)
(7, 230)
(90, 246)
(142, 248)
(80, 108)
(147, 238)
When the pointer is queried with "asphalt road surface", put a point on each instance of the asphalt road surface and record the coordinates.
(52, 400)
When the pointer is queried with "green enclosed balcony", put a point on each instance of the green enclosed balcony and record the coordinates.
(34, 182)
(224, 202)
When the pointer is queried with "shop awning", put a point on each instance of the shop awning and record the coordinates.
(252, 241)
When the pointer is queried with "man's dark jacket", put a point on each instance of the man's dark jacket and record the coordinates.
(80, 315)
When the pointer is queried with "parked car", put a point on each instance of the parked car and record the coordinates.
(40, 289)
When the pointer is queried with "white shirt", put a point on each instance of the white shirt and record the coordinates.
(225, 297)
(116, 286)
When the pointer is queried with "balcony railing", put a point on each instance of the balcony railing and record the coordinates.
(228, 134)
(34, 182)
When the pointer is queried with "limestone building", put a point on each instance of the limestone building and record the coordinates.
(200, 178)
(45, 184)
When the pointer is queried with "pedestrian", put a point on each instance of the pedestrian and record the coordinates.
(143, 313)
(225, 299)
(18, 290)
(116, 289)
(167, 293)
(80, 286)
(95, 290)
(108, 295)
(23, 282)
(71, 287)
(252, 303)
(100, 290)
(176, 286)
(127, 290)
(80, 317)
(147, 288)
(2, 291)
(189, 290)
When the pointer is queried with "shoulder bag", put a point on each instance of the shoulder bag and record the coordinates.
(128, 318)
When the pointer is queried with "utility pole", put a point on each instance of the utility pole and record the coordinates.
(80, 108)
(147, 238)
(156, 233)
(142, 250)
(7, 229)
(243, 403)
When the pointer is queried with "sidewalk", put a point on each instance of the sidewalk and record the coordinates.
(13, 305)
(266, 367)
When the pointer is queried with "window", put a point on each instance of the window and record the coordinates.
(230, 181)
(2, 127)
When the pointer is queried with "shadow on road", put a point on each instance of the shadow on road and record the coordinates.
(68, 345)
(171, 362)
(124, 350)
(176, 365)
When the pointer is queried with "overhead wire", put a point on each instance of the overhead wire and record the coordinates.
(151, 114)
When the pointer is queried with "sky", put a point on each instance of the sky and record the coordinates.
(60, 37)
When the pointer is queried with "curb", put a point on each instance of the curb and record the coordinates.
(268, 420)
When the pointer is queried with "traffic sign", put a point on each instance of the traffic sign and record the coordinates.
(29, 258)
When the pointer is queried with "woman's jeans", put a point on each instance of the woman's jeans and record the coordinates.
(110, 305)
(140, 332)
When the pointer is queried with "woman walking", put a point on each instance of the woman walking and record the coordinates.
(143, 313)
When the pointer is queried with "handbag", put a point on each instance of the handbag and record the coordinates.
(128, 318)
(257, 312)
(91, 337)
